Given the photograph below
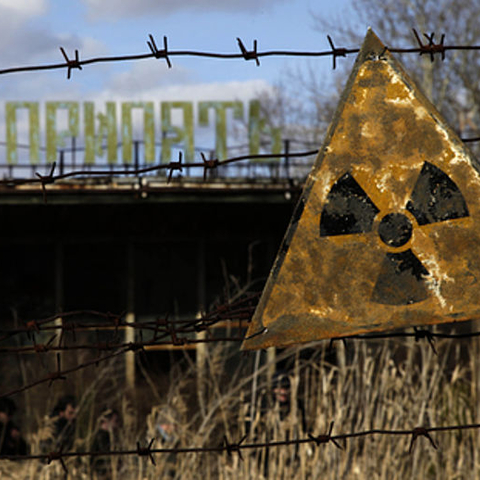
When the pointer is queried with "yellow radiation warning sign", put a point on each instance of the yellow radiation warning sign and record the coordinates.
(387, 231)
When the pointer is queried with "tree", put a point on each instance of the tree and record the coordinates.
(452, 85)
(304, 100)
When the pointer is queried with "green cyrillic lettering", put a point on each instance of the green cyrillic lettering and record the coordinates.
(107, 127)
(148, 130)
(34, 131)
(57, 139)
(174, 135)
(220, 109)
(258, 125)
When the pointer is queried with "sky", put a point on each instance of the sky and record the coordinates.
(31, 32)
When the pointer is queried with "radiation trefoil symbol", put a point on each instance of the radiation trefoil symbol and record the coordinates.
(348, 210)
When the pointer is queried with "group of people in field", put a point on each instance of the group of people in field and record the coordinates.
(59, 430)
(11, 440)
(57, 433)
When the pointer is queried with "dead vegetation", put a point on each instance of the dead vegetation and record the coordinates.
(390, 384)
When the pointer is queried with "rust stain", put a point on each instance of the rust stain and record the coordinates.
(388, 233)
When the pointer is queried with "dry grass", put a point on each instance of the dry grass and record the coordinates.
(389, 384)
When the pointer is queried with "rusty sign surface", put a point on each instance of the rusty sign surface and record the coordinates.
(387, 231)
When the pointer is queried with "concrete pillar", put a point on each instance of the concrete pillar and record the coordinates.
(130, 316)
(201, 348)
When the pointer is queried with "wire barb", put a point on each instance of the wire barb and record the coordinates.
(249, 55)
(421, 334)
(175, 166)
(233, 447)
(159, 53)
(177, 342)
(417, 432)
(71, 63)
(43, 347)
(209, 165)
(146, 451)
(68, 327)
(336, 52)
(46, 179)
(57, 456)
(32, 327)
(57, 375)
(325, 438)
(431, 48)
(135, 347)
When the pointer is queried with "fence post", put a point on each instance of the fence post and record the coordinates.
(130, 317)
(286, 151)
(73, 150)
(136, 154)
(61, 161)
(201, 348)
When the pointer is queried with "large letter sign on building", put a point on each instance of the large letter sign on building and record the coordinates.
(387, 230)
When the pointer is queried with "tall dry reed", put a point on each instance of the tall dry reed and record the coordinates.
(390, 384)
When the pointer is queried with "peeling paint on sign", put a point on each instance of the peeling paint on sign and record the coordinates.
(387, 231)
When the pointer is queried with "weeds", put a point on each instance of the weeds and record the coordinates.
(384, 385)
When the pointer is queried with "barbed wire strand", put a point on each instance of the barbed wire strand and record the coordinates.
(77, 63)
(163, 329)
(237, 447)
(175, 340)
(232, 310)
(207, 165)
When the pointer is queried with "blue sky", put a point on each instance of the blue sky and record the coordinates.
(31, 32)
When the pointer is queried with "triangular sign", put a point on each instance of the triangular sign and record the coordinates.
(387, 231)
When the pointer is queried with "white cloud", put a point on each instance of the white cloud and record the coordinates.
(16, 34)
(26, 36)
(149, 75)
(191, 92)
(125, 8)
(152, 81)
(23, 8)
(24, 46)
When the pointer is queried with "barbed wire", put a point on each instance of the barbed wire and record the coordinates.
(228, 311)
(206, 164)
(174, 329)
(76, 63)
(240, 311)
(417, 334)
(176, 339)
(162, 328)
(149, 451)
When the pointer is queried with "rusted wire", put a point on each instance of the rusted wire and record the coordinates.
(233, 311)
(163, 328)
(170, 336)
(431, 48)
(106, 346)
(232, 448)
(170, 167)
(166, 332)
(176, 340)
